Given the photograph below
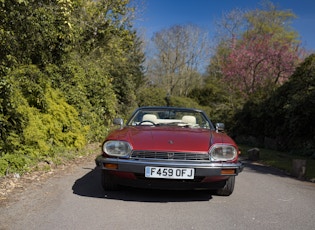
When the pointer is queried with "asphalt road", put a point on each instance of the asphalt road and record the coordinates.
(262, 199)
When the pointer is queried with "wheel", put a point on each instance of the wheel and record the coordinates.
(108, 181)
(228, 187)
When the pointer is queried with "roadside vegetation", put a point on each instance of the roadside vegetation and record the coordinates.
(280, 160)
(68, 67)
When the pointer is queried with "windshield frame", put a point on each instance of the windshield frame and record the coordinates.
(170, 116)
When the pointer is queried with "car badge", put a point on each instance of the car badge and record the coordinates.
(171, 142)
(170, 155)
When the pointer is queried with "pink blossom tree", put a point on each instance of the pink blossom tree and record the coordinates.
(259, 63)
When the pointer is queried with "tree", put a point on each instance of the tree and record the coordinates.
(255, 53)
(180, 52)
(109, 41)
(259, 64)
(287, 117)
(151, 96)
(66, 68)
(271, 20)
(34, 32)
(251, 37)
(292, 109)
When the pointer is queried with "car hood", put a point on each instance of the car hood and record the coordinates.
(170, 138)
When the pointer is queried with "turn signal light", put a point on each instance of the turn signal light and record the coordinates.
(111, 166)
(227, 171)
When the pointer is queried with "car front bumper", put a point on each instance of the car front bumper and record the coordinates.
(202, 169)
(131, 173)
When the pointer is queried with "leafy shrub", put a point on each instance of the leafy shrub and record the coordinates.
(88, 88)
(58, 127)
(37, 120)
(3, 166)
(183, 102)
(151, 96)
(60, 89)
(287, 116)
(13, 163)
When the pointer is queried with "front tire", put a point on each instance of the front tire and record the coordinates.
(107, 181)
(228, 187)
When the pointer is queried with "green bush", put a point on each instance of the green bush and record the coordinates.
(60, 88)
(10, 163)
(287, 116)
(88, 88)
(183, 102)
(151, 96)
(59, 126)
(4, 165)
(38, 121)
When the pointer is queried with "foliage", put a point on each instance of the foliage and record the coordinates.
(66, 69)
(10, 163)
(281, 160)
(298, 108)
(259, 64)
(270, 20)
(287, 117)
(34, 32)
(10, 119)
(45, 117)
(89, 89)
(179, 51)
(183, 102)
(215, 96)
(108, 41)
(3, 166)
(258, 52)
(152, 96)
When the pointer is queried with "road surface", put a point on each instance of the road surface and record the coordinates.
(263, 199)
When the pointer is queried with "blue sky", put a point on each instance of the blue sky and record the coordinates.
(161, 14)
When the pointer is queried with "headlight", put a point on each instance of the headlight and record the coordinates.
(117, 148)
(221, 152)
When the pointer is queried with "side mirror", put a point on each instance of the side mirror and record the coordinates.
(219, 127)
(119, 121)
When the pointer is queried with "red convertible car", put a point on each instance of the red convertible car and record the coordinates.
(169, 148)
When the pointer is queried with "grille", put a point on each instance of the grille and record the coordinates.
(170, 155)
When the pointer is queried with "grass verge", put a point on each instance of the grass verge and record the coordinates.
(280, 160)
(20, 164)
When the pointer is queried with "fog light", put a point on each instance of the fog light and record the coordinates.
(227, 171)
(111, 166)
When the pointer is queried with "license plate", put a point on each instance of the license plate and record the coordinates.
(169, 173)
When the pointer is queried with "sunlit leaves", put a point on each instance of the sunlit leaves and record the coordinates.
(66, 68)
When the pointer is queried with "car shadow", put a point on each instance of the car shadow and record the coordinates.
(89, 186)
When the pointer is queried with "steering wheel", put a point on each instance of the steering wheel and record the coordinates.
(140, 123)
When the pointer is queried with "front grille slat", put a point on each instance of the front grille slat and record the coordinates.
(170, 155)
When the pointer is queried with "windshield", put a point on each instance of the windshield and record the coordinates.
(170, 117)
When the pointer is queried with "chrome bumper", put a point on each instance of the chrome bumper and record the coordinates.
(138, 166)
